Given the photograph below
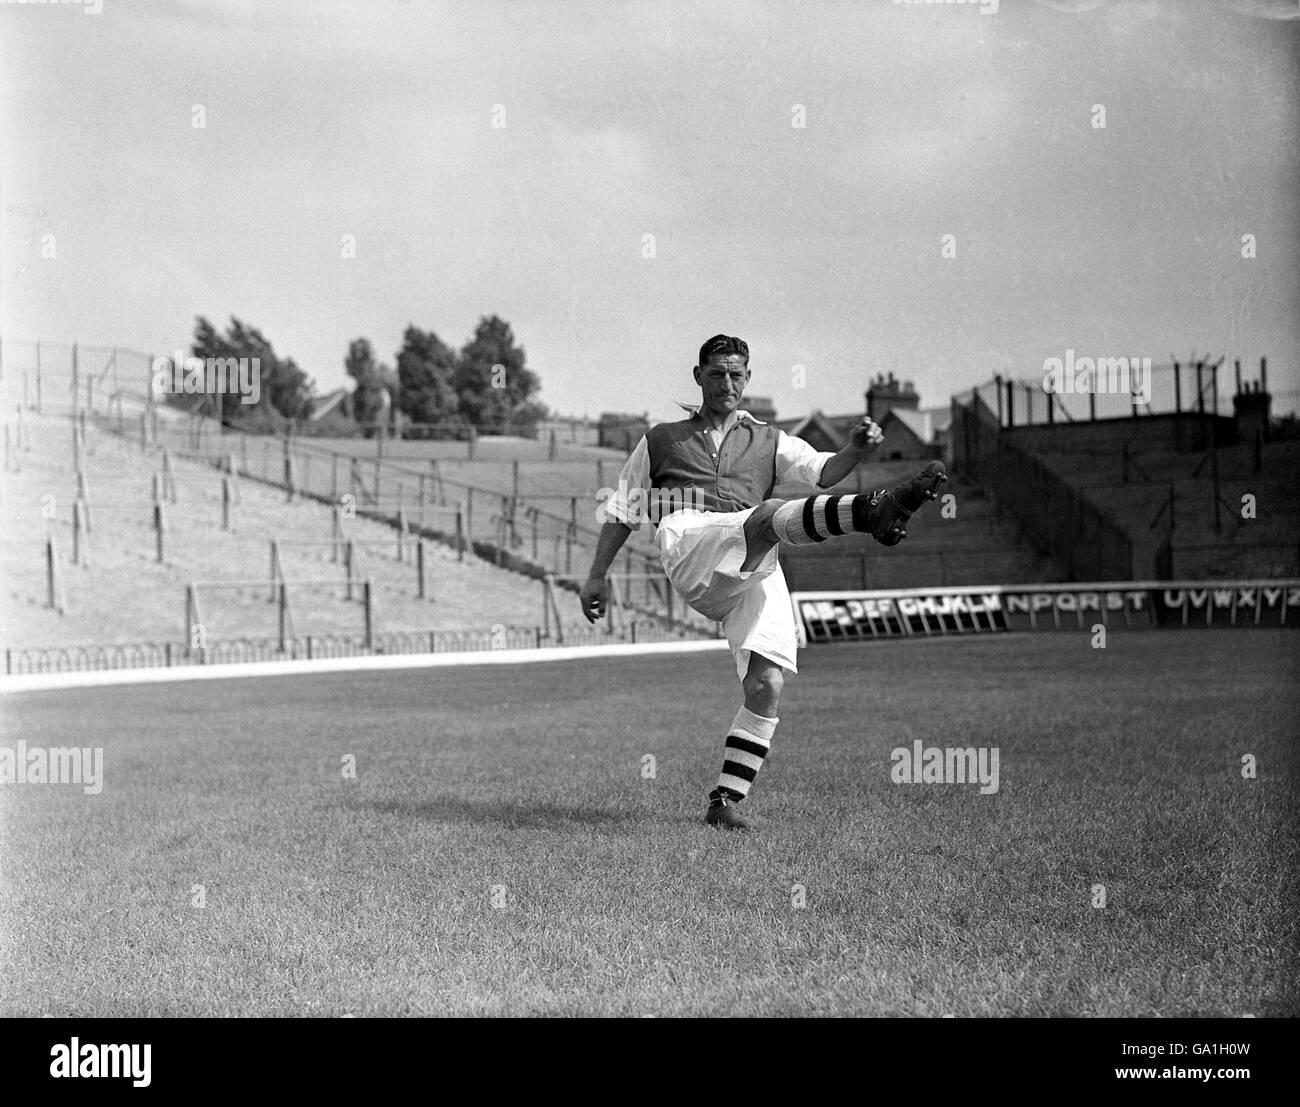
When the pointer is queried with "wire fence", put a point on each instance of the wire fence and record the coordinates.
(531, 533)
(1092, 389)
(165, 654)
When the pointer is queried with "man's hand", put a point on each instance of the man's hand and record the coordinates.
(594, 596)
(866, 436)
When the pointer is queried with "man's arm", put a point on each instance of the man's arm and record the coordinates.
(594, 593)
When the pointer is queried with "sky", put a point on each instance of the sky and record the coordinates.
(797, 166)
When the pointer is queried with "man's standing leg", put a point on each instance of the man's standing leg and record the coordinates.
(748, 741)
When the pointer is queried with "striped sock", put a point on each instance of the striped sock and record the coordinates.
(817, 518)
(747, 744)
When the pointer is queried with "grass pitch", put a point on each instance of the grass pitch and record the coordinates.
(501, 850)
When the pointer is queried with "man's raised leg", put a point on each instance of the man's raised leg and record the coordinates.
(883, 515)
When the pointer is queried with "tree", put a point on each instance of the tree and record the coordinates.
(494, 387)
(284, 389)
(372, 381)
(287, 387)
(426, 368)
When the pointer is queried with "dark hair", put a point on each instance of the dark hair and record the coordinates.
(723, 344)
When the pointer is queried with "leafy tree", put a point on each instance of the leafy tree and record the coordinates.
(426, 368)
(495, 389)
(285, 389)
(372, 379)
(288, 388)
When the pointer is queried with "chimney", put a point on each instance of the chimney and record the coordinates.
(886, 393)
(1251, 408)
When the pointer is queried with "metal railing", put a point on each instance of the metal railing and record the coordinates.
(1052, 513)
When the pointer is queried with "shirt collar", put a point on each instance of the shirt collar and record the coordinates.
(741, 416)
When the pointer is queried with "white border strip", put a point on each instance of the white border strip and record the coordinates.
(1068, 586)
(44, 682)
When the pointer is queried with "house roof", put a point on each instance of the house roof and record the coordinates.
(323, 405)
(833, 426)
(918, 422)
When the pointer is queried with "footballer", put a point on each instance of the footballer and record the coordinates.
(720, 551)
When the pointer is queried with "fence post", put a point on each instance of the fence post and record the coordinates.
(160, 531)
(169, 477)
(225, 503)
(370, 615)
(334, 478)
(282, 612)
(1214, 477)
(274, 571)
(549, 583)
(336, 532)
(350, 552)
(460, 533)
(401, 534)
(290, 474)
(53, 585)
(419, 568)
(79, 553)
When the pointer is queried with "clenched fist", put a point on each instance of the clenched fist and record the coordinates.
(866, 436)
(594, 596)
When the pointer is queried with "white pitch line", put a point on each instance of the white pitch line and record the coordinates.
(46, 682)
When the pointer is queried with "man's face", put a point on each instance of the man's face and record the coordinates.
(722, 382)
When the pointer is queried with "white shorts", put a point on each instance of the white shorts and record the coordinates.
(702, 552)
